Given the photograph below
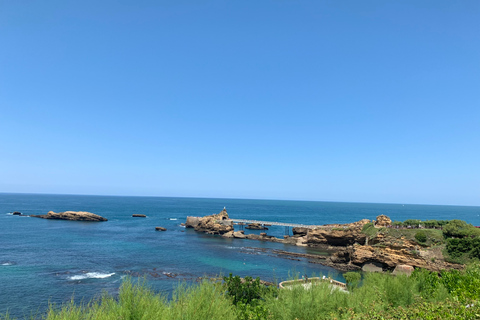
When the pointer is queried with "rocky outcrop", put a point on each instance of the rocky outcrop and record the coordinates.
(388, 258)
(16, 213)
(135, 215)
(383, 221)
(213, 224)
(71, 215)
(192, 222)
(337, 235)
(160, 229)
(256, 226)
(300, 231)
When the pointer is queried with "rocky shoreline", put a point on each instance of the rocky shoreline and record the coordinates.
(348, 247)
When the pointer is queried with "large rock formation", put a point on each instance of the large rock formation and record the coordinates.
(383, 221)
(387, 253)
(337, 235)
(71, 215)
(212, 224)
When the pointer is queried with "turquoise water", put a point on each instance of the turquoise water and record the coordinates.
(45, 261)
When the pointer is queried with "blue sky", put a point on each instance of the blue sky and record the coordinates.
(364, 101)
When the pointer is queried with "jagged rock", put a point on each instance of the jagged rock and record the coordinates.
(139, 215)
(301, 231)
(338, 235)
(301, 241)
(263, 234)
(213, 224)
(192, 222)
(228, 234)
(71, 215)
(256, 226)
(383, 221)
(160, 229)
(239, 234)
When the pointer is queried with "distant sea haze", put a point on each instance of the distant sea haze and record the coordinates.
(50, 260)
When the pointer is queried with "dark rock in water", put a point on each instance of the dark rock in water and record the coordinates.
(160, 229)
(139, 216)
(16, 213)
(256, 226)
(71, 215)
(182, 224)
(301, 231)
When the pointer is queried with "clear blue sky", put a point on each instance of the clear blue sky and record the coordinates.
(368, 101)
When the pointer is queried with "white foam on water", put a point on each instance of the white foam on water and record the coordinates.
(173, 219)
(7, 264)
(91, 275)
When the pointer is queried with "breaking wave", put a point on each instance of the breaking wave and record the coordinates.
(91, 275)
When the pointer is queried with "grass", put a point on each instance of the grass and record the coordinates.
(424, 295)
(433, 236)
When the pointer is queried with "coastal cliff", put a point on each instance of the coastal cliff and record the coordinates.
(362, 245)
(71, 215)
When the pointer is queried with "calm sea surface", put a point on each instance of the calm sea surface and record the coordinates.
(44, 261)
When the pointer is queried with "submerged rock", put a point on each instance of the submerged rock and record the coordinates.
(160, 229)
(71, 215)
(135, 215)
(16, 213)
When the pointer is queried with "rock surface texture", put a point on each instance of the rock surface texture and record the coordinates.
(71, 215)
(383, 221)
(337, 235)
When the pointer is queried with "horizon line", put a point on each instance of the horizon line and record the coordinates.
(232, 198)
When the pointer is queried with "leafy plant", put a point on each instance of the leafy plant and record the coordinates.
(421, 236)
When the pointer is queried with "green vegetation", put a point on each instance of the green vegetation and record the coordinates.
(424, 295)
(460, 240)
(353, 279)
(421, 236)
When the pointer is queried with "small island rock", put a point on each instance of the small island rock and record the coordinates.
(71, 215)
(135, 215)
(160, 229)
(256, 226)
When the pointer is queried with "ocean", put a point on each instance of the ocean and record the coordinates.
(51, 261)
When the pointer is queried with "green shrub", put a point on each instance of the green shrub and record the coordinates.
(352, 279)
(460, 229)
(247, 291)
(421, 236)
